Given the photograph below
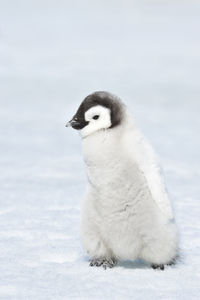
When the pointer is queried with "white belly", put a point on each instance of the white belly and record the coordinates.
(122, 206)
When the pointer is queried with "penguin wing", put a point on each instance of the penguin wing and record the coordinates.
(155, 180)
(143, 153)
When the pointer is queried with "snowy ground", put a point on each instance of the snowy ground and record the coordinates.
(52, 54)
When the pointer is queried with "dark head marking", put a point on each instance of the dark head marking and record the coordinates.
(99, 98)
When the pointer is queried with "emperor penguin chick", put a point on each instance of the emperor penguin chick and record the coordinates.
(126, 213)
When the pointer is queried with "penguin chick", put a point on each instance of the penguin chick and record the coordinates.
(126, 213)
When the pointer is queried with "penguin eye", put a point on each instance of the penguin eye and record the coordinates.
(95, 117)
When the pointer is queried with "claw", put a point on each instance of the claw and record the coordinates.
(104, 266)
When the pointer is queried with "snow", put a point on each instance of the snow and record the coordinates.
(52, 54)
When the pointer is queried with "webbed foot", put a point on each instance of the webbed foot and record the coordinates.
(104, 262)
(155, 266)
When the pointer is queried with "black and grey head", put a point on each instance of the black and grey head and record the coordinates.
(100, 110)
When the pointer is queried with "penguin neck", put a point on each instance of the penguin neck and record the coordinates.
(102, 147)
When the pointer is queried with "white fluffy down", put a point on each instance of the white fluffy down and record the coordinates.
(126, 213)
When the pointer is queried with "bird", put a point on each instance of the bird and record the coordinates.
(126, 213)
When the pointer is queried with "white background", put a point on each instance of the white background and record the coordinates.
(52, 55)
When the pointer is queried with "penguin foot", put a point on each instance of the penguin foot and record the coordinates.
(105, 263)
(162, 266)
(155, 266)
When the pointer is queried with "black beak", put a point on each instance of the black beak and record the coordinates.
(72, 123)
(76, 123)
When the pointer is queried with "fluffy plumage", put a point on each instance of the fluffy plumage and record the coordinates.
(126, 213)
